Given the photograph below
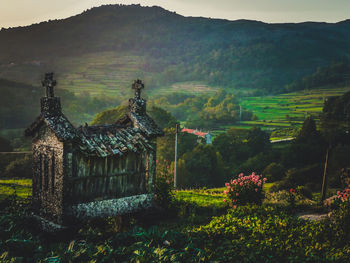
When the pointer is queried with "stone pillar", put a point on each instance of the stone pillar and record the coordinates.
(50, 106)
(151, 167)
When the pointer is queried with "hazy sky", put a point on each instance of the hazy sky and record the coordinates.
(25, 12)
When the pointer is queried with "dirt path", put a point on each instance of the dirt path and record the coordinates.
(312, 216)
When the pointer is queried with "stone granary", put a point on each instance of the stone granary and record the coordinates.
(91, 171)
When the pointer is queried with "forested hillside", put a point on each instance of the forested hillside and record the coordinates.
(20, 104)
(107, 46)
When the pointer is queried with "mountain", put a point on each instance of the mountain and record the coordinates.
(104, 48)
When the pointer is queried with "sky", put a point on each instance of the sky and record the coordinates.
(26, 12)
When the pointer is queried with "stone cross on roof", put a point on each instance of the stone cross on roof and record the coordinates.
(138, 86)
(49, 84)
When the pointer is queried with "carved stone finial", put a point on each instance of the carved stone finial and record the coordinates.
(50, 105)
(138, 86)
(137, 104)
(49, 83)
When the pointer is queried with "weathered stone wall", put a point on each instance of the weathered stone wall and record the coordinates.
(111, 207)
(47, 175)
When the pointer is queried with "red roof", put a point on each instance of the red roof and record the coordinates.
(188, 130)
(195, 132)
(201, 134)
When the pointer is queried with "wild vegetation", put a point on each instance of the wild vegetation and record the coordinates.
(270, 232)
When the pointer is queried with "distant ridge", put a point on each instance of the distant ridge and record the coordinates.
(171, 48)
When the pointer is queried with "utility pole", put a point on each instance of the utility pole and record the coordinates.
(324, 181)
(240, 112)
(175, 165)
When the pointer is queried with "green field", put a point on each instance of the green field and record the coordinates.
(284, 112)
(22, 188)
(208, 198)
(188, 87)
(203, 198)
(289, 109)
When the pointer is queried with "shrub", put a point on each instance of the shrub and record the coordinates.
(21, 168)
(280, 186)
(274, 172)
(344, 196)
(341, 198)
(256, 163)
(163, 193)
(267, 234)
(304, 191)
(291, 199)
(341, 216)
(244, 190)
(164, 171)
(278, 197)
(5, 145)
(310, 176)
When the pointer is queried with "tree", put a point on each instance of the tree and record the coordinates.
(274, 172)
(202, 165)
(309, 131)
(258, 140)
(19, 168)
(308, 148)
(163, 118)
(166, 144)
(5, 145)
(109, 116)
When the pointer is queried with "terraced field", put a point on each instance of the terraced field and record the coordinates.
(289, 109)
(110, 74)
(188, 87)
(285, 111)
(296, 105)
(106, 73)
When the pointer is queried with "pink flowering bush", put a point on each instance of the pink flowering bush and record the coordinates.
(344, 195)
(342, 198)
(244, 190)
(291, 199)
(341, 215)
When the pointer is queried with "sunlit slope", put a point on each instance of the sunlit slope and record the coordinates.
(289, 109)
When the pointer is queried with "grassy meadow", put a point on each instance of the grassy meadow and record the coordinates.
(214, 197)
(288, 109)
(22, 188)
